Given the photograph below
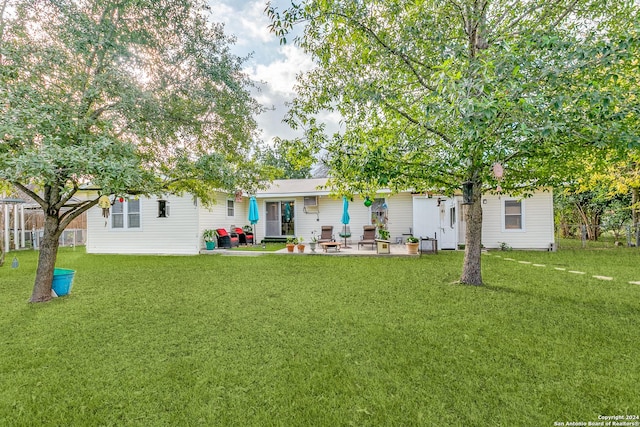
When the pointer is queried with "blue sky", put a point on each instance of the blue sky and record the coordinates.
(272, 63)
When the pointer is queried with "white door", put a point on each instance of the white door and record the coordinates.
(426, 222)
(435, 217)
(448, 229)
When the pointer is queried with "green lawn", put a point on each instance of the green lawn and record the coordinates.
(280, 340)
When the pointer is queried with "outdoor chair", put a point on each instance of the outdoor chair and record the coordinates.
(244, 238)
(368, 236)
(226, 239)
(326, 234)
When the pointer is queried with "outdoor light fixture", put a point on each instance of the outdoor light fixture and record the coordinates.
(467, 193)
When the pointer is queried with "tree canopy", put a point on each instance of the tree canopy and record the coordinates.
(134, 97)
(434, 93)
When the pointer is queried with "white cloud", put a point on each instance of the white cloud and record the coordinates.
(272, 65)
(281, 73)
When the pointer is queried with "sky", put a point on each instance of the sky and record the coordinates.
(274, 64)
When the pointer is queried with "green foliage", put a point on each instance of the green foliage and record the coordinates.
(434, 94)
(283, 163)
(321, 341)
(134, 97)
(210, 235)
(108, 94)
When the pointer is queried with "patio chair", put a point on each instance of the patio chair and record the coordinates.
(368, 237)
(226, 239)
(244, 238)
(326, 234)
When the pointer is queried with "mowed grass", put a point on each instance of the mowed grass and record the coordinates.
(279, 340)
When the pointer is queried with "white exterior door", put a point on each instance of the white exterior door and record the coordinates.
(426, 222)
(448, 229)
(435, 217)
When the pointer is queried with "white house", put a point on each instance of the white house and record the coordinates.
(174, 225)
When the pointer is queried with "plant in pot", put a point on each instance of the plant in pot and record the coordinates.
(210, 237)
(313, 242)
(383, 233)
(300, 245)
(291, 243)
(412, 245)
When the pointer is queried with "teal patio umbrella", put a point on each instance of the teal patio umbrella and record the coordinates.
(254, 215)
(345, 218)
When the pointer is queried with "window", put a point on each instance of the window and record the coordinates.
(231, 208)
(163, 209)
(125, 214)
(513, 215)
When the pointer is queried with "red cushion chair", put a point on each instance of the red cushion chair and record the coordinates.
(244, 237)
(226, 239)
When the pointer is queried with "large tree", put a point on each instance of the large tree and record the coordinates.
(135, 97)
(435, 93)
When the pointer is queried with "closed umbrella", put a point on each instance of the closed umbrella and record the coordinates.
(254, 215)
(345, 218)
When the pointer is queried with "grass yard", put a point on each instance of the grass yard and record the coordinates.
(280, 340)
(268, 247)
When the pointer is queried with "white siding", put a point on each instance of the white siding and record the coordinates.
(537, 232)
(400, 214)
(176, 234)
(216, 216)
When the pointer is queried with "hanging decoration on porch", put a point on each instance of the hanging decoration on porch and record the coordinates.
(105, 204)
(367, 201)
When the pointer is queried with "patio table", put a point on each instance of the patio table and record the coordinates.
(327, 245)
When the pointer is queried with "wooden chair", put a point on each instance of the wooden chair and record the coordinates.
(368, 236)
(326, 234)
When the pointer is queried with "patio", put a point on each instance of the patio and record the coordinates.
(395, 249)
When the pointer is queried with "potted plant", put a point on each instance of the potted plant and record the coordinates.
(210, 237)
(383, 233)
(300, 245)
(412, 245)
(313, 242)
(291, 243)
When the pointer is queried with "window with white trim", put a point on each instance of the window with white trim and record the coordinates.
(125, 214)
(231, 208)
(513, 215)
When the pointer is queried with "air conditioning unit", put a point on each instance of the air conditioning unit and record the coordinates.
(311, 201)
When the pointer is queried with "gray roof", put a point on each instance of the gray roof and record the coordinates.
(295, 187)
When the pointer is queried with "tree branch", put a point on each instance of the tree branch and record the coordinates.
(409, 61)
(79, 209)
(416, 122)
(30, 193)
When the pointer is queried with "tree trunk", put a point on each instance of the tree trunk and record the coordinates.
(46, 260)
(471, 269)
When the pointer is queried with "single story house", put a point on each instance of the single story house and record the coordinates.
(300, 207)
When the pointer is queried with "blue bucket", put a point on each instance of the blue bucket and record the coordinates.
(62, 280)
